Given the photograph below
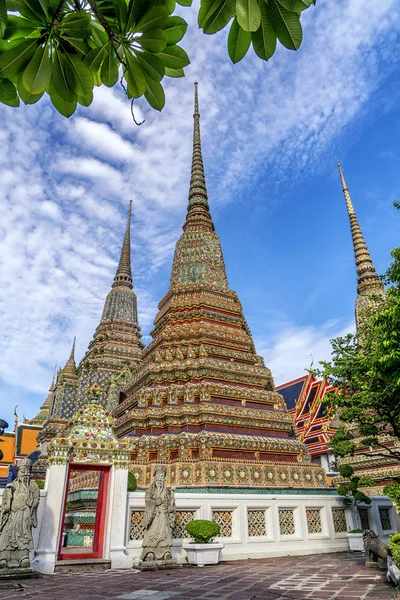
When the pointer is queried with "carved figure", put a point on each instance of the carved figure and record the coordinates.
(17, 517)
(159, 517)
(374, 548)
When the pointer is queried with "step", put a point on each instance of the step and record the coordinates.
(82, 565)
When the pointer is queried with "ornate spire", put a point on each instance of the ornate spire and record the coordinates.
(198, 209)
(198, 255)
(70, 366)
(368, 280)
(123, 276)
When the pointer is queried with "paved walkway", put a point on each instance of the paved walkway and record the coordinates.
(319, 577)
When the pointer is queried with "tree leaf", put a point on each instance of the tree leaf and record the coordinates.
(26, 97)
(174, 57)
(109, 68)
(13, 61)
(3, 17)
(238, 42)
(121, 13)
(8, 93)
(174, 30)
(19, 27)
(99, 36)
(154, 94)
(85, 100)
(135, 10)
(156, 18)
(78, 44)
(64, 108)
(38, 72)
(214, 15)
(296, 5)
(134, 76)
(79, 76)
(264, 39)
(95, 57)
(248, 14)
(76, 24)
(31, 9)
(185, 2)
(59, 79)
(152, 66)
(174, 72)
(286, 25)
(152, 41)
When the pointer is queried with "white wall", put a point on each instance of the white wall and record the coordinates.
(240, 545)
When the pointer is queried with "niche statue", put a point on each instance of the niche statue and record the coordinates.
(17, 517)
(159, 517)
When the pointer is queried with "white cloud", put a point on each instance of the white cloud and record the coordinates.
(289, 351)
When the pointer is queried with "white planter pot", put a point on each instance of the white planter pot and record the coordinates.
(203, 554)
(356, 542)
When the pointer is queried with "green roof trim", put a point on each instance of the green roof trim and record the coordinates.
(257, 491)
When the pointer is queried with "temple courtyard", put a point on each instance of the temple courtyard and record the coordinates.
(340, 576)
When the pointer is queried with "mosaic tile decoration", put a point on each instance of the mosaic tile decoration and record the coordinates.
(224, 520)
(339, 520)
(286, 521)
(384, 515)
(137, 527)
(364, 518)
(314, 524)
(182, 518)
(256, 523)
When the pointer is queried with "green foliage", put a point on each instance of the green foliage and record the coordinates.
(40, 484)
(346, 470)
(392, 491)
(356, 531)
(394, 547)
(63, 48)
(68, 506)
(350, 492)
(132, 482)
(202, 531)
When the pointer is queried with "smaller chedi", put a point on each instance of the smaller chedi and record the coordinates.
(17, 517)
(159, 517)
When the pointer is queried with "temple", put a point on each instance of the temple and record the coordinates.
(202, 401)
(304, 398)
(111, 358)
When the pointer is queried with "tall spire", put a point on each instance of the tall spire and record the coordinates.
(368, 280)
(198, 209)
(123, 276)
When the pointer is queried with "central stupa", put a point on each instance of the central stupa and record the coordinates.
(202, 402)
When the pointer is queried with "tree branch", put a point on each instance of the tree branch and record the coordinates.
(58, 14)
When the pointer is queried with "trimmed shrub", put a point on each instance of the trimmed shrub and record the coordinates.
(132, 483)
(202, 531)
(394, 547)
(40, 484)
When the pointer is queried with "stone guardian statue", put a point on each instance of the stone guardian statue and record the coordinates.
(18, 514)
(159, 517)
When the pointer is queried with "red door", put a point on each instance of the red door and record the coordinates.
(79, 513)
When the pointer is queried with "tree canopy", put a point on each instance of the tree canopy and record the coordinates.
(365, 369)
(64, 48)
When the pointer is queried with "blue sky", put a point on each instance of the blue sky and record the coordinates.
(272, 135)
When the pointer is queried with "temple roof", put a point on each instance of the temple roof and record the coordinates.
(123, 276)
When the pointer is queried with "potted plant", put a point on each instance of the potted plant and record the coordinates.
(352, 496)
(203, 551)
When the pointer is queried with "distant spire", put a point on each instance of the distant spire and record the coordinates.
(368, 280)
(198, 209)
(123, 276)
(70, 365)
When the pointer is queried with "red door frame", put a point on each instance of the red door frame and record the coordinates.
(101, 509)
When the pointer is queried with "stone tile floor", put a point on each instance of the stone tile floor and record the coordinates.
(341, 576)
